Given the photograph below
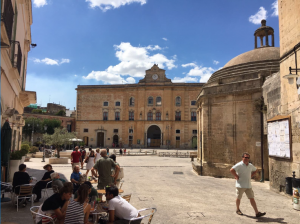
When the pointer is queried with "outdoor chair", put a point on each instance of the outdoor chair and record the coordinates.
(150, 215)
(121, 186)
(55, 189)
(34, 212)
(45, 190)
(24, 193)
(127, 197)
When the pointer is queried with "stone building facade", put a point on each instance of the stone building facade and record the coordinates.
(282, 95)
(154, 113)
(229, 110)
(16, 19)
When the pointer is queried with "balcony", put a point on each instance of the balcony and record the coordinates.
(7, 20)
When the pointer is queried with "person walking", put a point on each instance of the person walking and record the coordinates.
(76, 157)
(107, 151)
(97, 154)
(121, 152)
(243, 171)
(125, 152)
(104, 166)
(90, 162)
(83, 154)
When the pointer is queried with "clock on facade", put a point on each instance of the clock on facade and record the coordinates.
(155, 76)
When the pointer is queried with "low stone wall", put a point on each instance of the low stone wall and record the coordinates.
(61, 160)
(38, 155)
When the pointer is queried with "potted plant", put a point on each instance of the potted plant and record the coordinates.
(15, 159)
(24, 150)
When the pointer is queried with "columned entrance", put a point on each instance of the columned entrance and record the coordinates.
(153, 136)
(100, 139)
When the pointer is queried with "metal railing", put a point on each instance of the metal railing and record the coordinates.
(8, 17)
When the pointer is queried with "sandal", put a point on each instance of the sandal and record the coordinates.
(239, 212)
(260, 214)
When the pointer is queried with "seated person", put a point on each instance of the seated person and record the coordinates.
(119, 210)
(56, 181)
(56, 205)
(42, 183)
(92, 191)
(75, 178)
(78, 210)
(20, 178)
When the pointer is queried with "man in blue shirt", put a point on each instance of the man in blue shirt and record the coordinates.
(243, 171)
(75, 176)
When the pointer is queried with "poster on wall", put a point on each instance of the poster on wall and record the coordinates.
(279, 143)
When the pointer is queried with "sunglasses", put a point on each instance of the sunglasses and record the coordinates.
(247, 157)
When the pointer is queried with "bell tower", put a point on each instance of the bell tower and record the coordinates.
(264, 32)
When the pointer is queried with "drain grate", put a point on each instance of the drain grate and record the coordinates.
(177, 172)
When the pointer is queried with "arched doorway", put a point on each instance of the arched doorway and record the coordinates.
(194, 142)
(153, 136)
(86, 140)
(116, 140)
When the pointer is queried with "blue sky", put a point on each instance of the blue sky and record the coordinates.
(95, 42)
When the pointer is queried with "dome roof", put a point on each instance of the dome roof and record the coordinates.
(258, 54)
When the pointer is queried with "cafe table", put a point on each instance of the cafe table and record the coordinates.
(99, 211)
(102, 191)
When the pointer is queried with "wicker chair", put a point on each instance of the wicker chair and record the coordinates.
(34, 212)
(24, 192)
(150, 215)
(127, 197)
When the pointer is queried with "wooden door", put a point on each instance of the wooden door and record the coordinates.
(177, 144)
(100, 139)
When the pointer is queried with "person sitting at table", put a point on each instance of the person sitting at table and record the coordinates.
(20, 178)
(119, 210)
(78, 210)
(42, 183)
(57, 181)
(56, 205)
(75, 177)
(92, 191)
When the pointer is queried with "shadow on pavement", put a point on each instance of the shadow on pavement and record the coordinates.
(266, 219)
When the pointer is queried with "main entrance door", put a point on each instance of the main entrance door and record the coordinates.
(116, 140)
(86, 140)
(153, 136)
(100, 139)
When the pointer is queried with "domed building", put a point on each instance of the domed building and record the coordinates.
(230, 109)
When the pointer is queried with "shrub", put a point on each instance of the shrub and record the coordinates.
(61, 113)
(37, 111)
(33, 149)
(25, 149)
(16, 155)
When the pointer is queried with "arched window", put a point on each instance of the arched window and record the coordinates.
(158, 116)
(117, 116)
(131, 101)
(150, 100)
(131, 115)
(105, 116)
(178, 101)
(193, 116)
(150, 116)
(158, 101)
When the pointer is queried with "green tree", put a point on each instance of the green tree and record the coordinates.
(37, 111)
(32, 124)
(61, 113)
(51, 125)
(59, 137)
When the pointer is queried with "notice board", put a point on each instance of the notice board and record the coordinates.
(279, 138)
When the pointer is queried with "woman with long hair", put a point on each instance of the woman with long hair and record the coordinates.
(90, 162)
(78, 210)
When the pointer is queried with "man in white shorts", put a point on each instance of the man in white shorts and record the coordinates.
(243, 171)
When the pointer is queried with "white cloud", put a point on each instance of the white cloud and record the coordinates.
(185, 79)
(133, 62)
(260, 15)
(39, 3)
(105, 5)
(189, 65)
(164, 38)
(275, 8)
(216, 62)
(49, 61)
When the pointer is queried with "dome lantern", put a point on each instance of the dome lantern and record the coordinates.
(263, 32)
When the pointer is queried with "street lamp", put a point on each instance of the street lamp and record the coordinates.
(32, 132)
(45, 128)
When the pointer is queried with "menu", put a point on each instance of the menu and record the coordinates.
(279, 139)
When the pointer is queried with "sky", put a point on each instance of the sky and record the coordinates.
(97, 42)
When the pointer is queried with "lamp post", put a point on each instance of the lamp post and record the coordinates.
(45, 128)
(32, 132)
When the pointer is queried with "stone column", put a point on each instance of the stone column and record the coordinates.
(267, 39)
(255, 40)
(273, 40)
(261, 41)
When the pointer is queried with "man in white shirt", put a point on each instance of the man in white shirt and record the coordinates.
(243, 171)
(119, 210)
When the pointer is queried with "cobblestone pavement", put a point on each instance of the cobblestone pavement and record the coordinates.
(180, 196)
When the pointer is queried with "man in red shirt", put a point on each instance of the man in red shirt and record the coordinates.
(76, 157)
